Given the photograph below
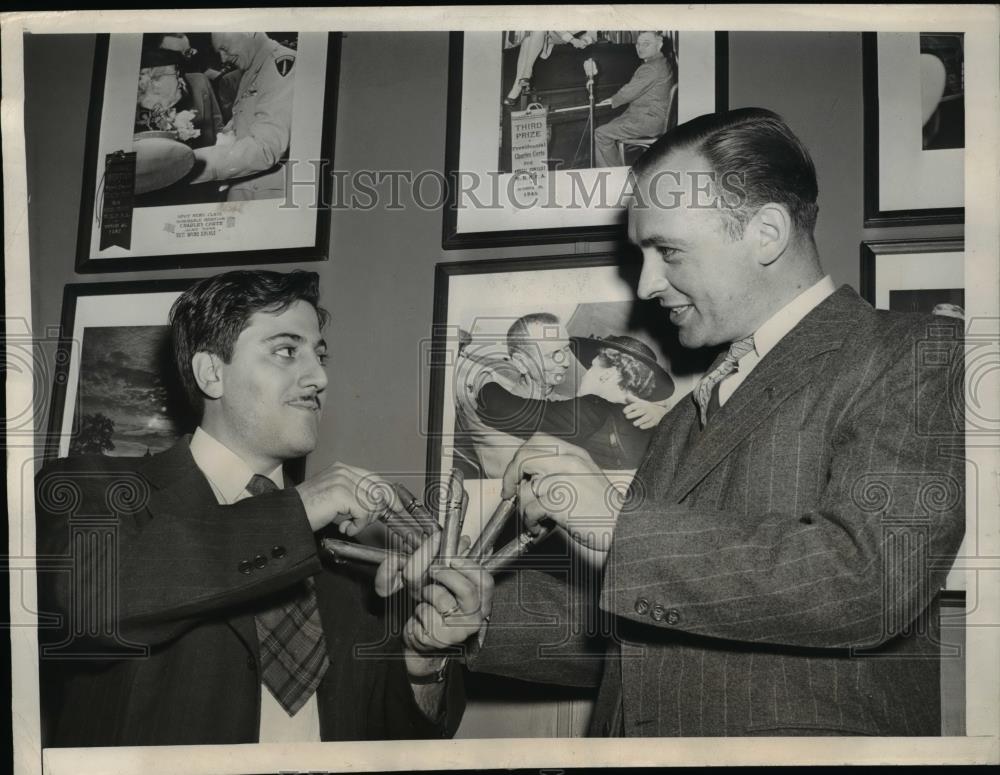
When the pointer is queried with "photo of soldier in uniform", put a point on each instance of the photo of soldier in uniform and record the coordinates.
(213, 116)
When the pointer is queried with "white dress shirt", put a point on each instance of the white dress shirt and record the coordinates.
(773, 331)
(228, 474)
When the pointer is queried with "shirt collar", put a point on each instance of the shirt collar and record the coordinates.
(784, 320)
(226, 471)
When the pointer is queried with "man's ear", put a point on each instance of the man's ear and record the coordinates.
(771, 231)
(207, 369)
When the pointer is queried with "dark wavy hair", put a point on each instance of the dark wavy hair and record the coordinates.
(634, 376)
(209, 316)
(754, 155)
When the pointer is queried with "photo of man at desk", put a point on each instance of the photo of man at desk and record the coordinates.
(598, 88)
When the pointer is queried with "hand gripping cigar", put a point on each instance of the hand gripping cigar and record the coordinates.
(452, 516)
(492, 529)
(348, 550)
(512, 550)
(417, 510)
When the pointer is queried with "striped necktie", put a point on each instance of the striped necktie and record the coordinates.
(292, 647)
(709, 383)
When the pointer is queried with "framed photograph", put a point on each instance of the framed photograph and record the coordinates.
(555, 344)
(191, 140)
(542, 125)
(914, 275)
(914, 98)
(117, 391)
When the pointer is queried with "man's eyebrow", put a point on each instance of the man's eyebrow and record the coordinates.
(297, 338)
(286, 335)
(659, 239)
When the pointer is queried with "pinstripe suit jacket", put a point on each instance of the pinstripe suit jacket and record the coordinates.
(776, 572)
(156, 643)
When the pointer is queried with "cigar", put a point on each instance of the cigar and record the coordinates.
(452, 516)
(512, 550)
(424, 519)
(348, 550)
(408, 531)
(492, 529)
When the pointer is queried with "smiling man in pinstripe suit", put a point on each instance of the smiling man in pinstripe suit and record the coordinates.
(775, 569)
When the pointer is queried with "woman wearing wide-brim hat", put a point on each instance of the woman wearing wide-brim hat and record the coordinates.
(622, 373)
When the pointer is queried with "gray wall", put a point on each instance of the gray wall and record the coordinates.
(379, 281)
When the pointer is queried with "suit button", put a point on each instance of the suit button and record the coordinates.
(245, 567)
(641, 606)
(277, 552)
(259, 561)
(251, 664)
(673, 616)
(658, 613)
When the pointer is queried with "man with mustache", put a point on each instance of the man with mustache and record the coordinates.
(197, 609)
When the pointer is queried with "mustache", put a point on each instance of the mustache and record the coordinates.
(308, 398)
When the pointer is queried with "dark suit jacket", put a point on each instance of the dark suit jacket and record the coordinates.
(155, 642)
(776, 573)
(591, 422)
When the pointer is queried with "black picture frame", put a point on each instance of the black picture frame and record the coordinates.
(562, 284)
(874, 216)
(65, 375)
(319, 248)
(115, 300)
(874, 284)
(453, 239)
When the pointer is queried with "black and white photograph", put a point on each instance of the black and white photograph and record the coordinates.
(914, 114)
(553, 346)
(942, 90)
(191, 140)
(187, 94)
(119, 394)
(569, 112)
(603, 93)
(924, 275)
(672, 420)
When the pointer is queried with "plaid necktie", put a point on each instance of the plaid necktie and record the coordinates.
(292, 647)
(710, 382)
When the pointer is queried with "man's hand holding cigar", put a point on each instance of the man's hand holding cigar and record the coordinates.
(557, 483)
(551, 484)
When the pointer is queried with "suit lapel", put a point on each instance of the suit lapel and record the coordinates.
(664, 454)
(791, 365)
(178, 484)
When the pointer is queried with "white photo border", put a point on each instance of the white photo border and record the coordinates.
(904, 184)
(473, 135)
(251, 232)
